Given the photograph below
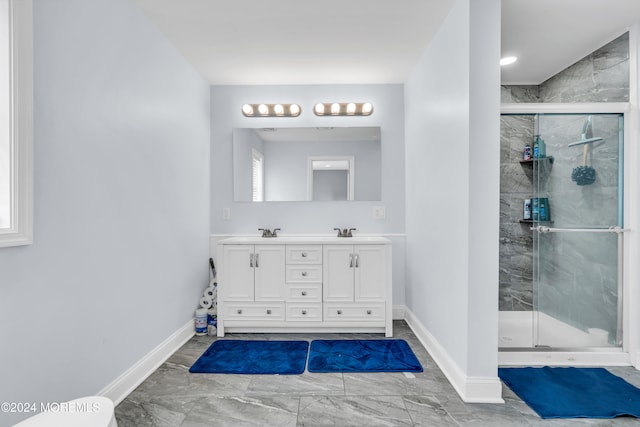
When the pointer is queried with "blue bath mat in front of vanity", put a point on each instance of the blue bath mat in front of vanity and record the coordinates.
(573, 392)
(253, 357)
(362, 356)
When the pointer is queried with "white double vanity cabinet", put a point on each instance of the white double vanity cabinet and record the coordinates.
(299, 284)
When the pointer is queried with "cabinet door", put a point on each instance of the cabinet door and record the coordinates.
(237, 273)
(269, 273)
(370, 272)
(337, 273)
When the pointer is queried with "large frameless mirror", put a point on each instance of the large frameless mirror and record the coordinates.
(307, 164)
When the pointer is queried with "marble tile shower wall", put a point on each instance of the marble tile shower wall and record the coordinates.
(602, 76)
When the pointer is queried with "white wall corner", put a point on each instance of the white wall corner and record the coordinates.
(120, 388)
(399, 312)
(470, 389)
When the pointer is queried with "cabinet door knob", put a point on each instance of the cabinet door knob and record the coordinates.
(339, 311)
(368, 311)
(304, 274)
(303, 293)
(239, 311)
(268, 311)
(303, 254)
(304, 312)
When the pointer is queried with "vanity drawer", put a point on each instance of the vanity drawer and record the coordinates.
(351, 312)
(304, 254)
(304, 312)
(254, 311)
(304, 274)
(308, 293)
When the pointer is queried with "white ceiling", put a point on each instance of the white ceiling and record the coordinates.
(547, 36)
(245, 42)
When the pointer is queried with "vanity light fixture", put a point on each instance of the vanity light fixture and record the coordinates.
(343, 109)
(271, 110)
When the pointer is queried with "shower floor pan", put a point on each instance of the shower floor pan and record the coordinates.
(565, 345)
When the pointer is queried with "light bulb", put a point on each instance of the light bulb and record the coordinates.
(247, 109)
(367, 108)
(263, 109)
(294, 109)
(351, 108)
(335, 108)
(278, 109)
(319, 109)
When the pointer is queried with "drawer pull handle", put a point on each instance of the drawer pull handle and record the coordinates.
(268, 311)
(339, 311)
(304, 312)
(239, 311)
(304, 274)
(368, 311)
(304, 293)
(303, 254)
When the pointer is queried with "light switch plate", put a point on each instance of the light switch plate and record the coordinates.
(379, 212)
(226, 213)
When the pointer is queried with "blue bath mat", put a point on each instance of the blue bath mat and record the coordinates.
(573, 392)
(362, 356)
(253, 357)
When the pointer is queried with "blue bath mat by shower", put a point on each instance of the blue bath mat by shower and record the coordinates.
(253, 357)
(573, 392)
(362, 356)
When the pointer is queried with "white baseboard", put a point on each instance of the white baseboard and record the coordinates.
(120, 388)
(470, 389)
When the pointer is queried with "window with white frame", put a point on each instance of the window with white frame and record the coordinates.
(257, 176)
(16, 122)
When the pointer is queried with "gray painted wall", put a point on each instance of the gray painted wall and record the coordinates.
(121, 201)
(452, 103)
(311, 217)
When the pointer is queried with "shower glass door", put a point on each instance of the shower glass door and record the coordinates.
(577, 231)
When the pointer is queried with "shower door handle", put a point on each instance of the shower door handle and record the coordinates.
(612, 229)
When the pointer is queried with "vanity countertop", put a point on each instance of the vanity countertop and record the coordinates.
(305, 240)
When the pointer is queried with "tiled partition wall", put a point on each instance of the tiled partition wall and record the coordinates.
(602, 76)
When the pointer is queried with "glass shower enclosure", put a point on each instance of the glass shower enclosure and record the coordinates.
(574, 215)
(577, 231)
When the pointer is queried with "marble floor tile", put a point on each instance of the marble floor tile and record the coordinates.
(297, 385)
(243, 411)
(353, 411)
(390, 384)
(173, 397)
(427, 411)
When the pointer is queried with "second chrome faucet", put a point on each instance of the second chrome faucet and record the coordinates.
(345, 232)
(268, 233)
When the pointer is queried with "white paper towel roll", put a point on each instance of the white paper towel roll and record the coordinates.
(206, 302)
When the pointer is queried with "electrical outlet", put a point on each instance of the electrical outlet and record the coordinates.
(226, 213)
(379, 212)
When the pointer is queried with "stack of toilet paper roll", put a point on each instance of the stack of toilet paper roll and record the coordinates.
(209, 298)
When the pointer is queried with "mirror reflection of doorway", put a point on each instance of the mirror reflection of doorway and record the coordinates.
(331, 178)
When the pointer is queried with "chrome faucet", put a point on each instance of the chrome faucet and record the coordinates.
(268, 233)
(346, 232)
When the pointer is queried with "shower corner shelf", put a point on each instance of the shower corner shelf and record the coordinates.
(530, 221)
(532, 160)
